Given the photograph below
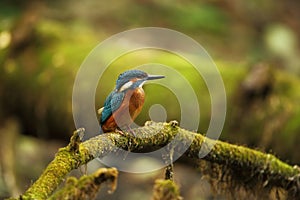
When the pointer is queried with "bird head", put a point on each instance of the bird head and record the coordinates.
(132, 79)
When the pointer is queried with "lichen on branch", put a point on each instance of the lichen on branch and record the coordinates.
(253, 164)
(87, 186)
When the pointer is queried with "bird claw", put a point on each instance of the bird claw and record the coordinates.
(120, 132)
(131, 131)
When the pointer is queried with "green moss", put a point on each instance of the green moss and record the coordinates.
(236, 163)
(87, 186)
(165, 190)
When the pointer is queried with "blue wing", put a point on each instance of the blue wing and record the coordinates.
(112, 103)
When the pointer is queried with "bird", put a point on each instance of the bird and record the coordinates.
(125, 102)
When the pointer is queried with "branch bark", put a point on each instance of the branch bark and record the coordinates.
(255, 165)
(87, 186)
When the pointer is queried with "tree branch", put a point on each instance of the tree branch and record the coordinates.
(255, 165)
(87, 186)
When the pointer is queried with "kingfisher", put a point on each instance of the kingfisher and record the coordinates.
(125, 102)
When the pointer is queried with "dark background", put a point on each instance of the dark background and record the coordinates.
(255, 45)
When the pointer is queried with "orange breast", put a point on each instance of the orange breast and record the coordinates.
(130, 108)
(137, 100)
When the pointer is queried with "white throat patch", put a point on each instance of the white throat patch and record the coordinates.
(141, 85)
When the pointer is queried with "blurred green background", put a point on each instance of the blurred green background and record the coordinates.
(255, 45)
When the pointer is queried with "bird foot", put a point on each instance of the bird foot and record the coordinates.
(120, 132)
(131, 131)
(128, 130)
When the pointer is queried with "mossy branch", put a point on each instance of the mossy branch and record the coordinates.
(166, 189)
(255, 164)
(87, 186)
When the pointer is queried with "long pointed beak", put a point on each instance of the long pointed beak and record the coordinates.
(153, 77)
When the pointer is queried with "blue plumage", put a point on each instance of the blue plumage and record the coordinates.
(112, 103)
(115, 98)
(128, 75)
(131, 80)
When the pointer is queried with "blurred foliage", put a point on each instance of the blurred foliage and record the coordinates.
(43, 43)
